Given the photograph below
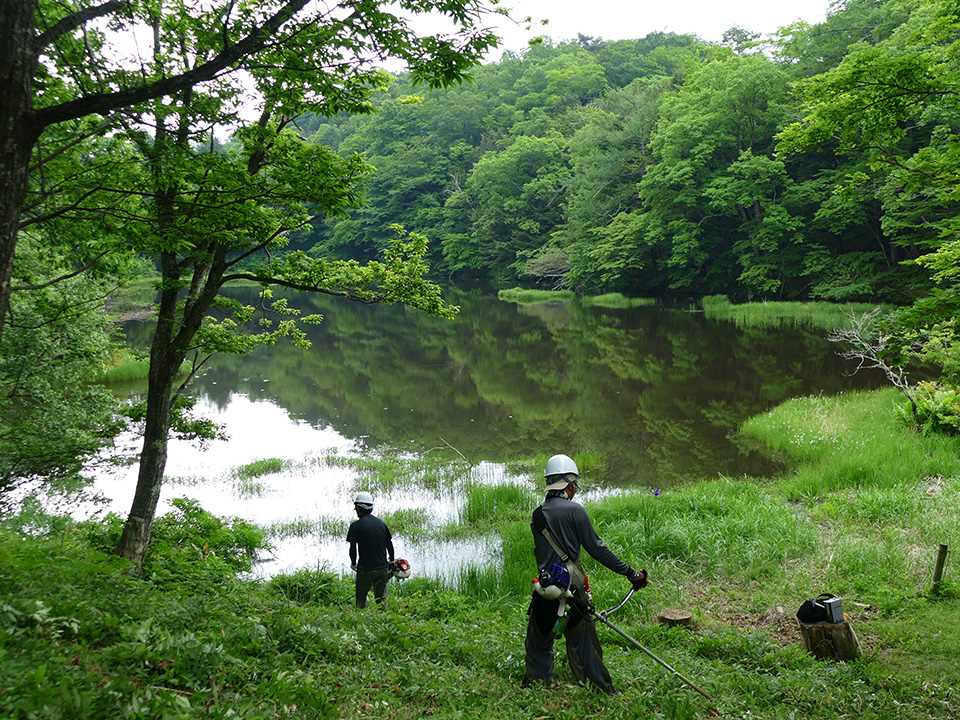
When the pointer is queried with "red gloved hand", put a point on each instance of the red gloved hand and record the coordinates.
(638, 578)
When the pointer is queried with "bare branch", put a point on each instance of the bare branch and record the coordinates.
(866, 345)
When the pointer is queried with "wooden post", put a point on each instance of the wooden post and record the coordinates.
(830, 640)
(938, 568)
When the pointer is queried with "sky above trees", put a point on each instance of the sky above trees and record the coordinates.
(625, 19)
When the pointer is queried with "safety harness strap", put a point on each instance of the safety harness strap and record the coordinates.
(577, 575)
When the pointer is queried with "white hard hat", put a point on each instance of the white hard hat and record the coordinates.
(364, 501)
(558, 467)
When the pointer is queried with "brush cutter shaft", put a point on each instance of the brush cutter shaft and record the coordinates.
(651, 655)
(602, 617)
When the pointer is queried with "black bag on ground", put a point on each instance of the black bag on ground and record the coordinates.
(814, 611)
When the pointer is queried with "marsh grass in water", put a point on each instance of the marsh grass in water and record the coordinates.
(535, 297)
(616, 301)
(388, 470)
(774, 314)
(306, 527)
(259, 468)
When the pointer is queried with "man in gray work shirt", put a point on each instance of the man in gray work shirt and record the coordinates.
(570, 527)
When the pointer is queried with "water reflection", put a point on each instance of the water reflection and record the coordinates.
(656, 392)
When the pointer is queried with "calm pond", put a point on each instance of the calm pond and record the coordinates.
(655, 392)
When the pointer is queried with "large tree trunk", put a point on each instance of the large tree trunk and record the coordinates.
(153, 460)
(17, 131)
(165, 360)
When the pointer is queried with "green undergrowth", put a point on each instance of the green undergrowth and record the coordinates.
(860, 514)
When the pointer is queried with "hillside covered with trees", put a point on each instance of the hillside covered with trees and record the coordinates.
(660, 165)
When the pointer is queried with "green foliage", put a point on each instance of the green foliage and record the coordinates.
(902, 78)
(53, 417)
(189, 534)
(937, 409)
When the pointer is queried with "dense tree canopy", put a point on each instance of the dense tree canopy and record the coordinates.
(666, 172)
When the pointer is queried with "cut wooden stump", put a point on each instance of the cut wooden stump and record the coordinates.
(675, 618)
(830, 640)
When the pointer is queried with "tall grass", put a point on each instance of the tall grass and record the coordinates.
(126, 365)
(511, 573)
(722, 528)
(82, 636)
(882, 496)
(492, 505)
(775, 314)
(851, 441)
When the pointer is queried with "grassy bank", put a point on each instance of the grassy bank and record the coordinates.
(861, 516)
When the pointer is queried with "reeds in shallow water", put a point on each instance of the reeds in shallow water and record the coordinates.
(775, 314)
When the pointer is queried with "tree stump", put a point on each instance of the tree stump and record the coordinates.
(830, 640)
(675, 618)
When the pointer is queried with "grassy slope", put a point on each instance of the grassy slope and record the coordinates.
(861, 517)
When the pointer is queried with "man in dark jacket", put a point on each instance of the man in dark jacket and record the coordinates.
(570, 527)
(371, 550)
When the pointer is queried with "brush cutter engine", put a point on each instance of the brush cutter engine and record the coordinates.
(553, 582)
(399, 568)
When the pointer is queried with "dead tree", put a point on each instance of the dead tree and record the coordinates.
(867, 344)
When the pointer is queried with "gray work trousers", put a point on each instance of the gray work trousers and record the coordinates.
(377, 579)
(583, 646)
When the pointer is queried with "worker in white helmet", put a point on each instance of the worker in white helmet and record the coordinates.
(371, 551)
(558, 607)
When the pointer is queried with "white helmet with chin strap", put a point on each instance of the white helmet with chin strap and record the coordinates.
(557, 472)
(364, 501)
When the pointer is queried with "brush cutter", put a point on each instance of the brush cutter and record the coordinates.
(399, 569)
(603, 617)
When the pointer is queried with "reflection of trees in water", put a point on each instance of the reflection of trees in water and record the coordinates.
(658, 393)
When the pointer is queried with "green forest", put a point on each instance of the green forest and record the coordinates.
(666, 165)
